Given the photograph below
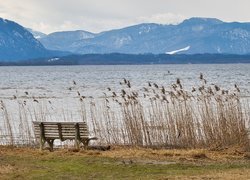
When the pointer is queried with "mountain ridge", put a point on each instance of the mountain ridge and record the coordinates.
(17, 43)
(192, 36)
(202, 35)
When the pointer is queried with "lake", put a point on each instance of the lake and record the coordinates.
(54, 81)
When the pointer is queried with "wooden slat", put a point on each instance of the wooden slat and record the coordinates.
(50, 132)
(84, 135)
(52, 136)
(63, 126)
(68, 129)
(63, 133)
(63, 129)
(63, 123)
(50, 125)
(84, 132)
(84, 128)
(64, 137)
(49, 135)
(51, 129)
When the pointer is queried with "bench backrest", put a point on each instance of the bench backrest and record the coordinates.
(61, 130)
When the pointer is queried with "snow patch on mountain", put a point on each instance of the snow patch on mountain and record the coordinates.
(17, 34)
(53, 59)
(179, 50)
(144, 29)
(119, 42)
(197, 28)
(218, 49)
(5, 21)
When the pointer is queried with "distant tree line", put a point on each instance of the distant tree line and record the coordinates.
(136, 59)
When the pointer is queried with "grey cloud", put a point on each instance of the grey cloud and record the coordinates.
(99, 15)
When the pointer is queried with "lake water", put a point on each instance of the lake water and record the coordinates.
(55, 81)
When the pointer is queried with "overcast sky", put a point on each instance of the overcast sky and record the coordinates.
(99, 15)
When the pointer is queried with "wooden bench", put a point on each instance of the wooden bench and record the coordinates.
(49, 131)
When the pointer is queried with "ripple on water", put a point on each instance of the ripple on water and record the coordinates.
(93, 80)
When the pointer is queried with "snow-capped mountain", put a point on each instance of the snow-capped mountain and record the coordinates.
(17, 43)
(201, 35)
(36, 34)
(192, 36)
(66, 40)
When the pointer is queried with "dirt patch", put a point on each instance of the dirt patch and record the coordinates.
(199, 156)
(144, 162)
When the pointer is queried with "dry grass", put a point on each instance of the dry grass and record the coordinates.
(6, 169)
(124, 162)
(121, 152)
(178, 155)
(157, 116)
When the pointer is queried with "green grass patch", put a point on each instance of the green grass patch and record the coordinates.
(52, 166)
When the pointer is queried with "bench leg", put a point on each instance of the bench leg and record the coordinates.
(77, 136)
(50, 142)
(42, 142)
(85, 143)
(77, 144)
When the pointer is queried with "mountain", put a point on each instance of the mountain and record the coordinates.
(36, 34)
(192, 36)
(17, 43)
(66, 40)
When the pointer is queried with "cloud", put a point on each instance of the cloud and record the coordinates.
(164, 18)
(42, 27)
(96, 16)
(59, 15)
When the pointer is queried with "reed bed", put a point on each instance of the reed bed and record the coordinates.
(206, 116)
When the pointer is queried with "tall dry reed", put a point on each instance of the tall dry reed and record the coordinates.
(206, 116)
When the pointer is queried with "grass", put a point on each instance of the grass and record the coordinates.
(123, 163)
